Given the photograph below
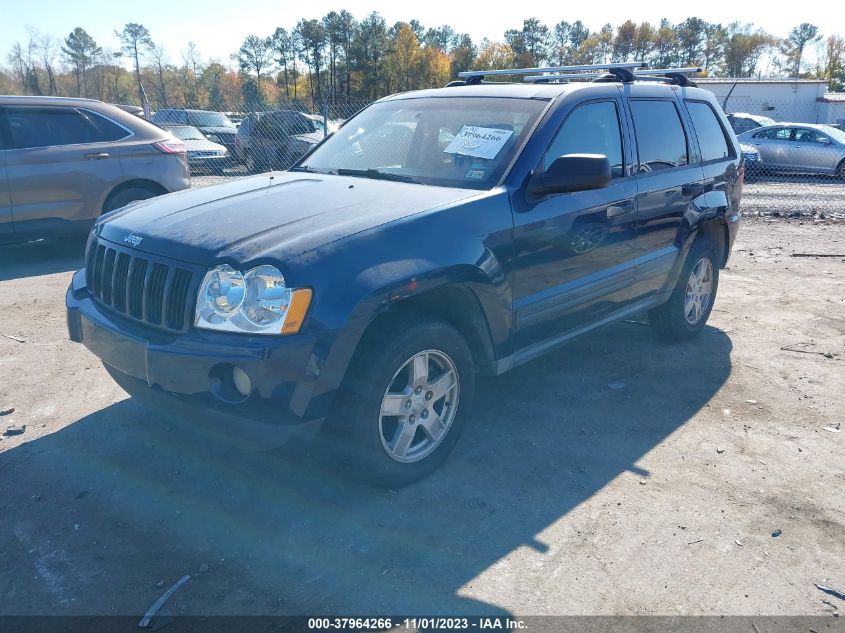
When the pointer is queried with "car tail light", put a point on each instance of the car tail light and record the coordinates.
(171, 146)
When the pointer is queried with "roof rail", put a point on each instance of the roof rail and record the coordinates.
(475, 76)
(624, 72)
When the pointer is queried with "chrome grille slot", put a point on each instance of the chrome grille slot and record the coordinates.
(139, 287)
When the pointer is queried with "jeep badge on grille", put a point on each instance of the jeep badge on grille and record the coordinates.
(133, 239)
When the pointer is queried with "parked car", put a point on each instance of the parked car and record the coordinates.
(203, 155)
(64, 162)
(278, 139)
(438, 234)
(799, 147)
(329, 126)
(751, 160)
(743, 122)
(216, 126)
(243, 139)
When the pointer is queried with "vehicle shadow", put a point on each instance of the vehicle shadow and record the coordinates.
(99, 512)
(41, 257)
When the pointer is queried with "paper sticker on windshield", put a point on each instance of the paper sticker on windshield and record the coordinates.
(475, 174)
(479, 142)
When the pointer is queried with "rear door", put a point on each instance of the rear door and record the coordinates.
(60, 165)
(669, 176)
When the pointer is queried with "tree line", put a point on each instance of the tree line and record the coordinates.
(337, 58)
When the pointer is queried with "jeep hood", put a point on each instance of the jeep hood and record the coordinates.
(274, 216)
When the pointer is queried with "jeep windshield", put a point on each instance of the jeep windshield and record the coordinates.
(465, 142)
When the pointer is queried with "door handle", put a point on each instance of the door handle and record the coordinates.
(692, 189)
(620, 208)
(96, 156)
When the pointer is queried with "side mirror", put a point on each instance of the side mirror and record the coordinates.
(573, 172)
(825, 141)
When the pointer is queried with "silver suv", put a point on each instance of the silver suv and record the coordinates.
(64, 162)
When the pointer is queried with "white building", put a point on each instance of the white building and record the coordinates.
(798, 100)
(832, 108)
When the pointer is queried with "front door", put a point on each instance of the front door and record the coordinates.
(574, 251)
(59, 168)
(773, 145)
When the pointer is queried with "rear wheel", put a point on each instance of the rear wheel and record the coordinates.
(689, 307)
(405, 398)
(840, 170)
(124, 197)
(251, 163)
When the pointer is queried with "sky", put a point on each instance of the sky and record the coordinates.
(219, 26)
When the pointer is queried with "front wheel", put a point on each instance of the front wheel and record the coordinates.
(405, 398)
(689, 307)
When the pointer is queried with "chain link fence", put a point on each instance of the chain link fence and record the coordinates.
(794, 167)
(272, 137)
(794, 155)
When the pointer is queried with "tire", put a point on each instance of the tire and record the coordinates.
(250, 162)
(124, 197)
(380, 447)
(840, 170)
(682, 317)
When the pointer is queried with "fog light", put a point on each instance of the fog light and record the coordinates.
(242, 382)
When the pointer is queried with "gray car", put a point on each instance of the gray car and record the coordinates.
(216, 126)
(64, 162)
(280, 138)
(799, 147)
(203, 155)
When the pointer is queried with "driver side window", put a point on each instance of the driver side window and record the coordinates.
(591, 128)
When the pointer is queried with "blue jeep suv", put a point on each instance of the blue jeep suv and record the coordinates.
(437, 235)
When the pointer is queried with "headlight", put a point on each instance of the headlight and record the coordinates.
(257, 302)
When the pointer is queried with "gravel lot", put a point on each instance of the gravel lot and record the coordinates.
(659, 496)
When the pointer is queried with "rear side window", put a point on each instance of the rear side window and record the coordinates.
(108, 129)
(50, 127)
(661, 141)
(711, 135)
(592, 128)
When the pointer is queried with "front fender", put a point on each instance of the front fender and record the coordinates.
(359, 278)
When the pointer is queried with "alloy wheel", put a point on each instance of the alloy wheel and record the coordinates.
(419, 406)
(699, 291)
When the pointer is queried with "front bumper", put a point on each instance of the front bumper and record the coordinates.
(209, 163)
(187, 374)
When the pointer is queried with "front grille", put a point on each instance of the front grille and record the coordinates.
(140, 287)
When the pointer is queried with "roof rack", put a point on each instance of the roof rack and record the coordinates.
(625, 72)
(475, 76)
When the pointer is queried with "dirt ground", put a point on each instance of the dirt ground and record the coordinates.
(659, 495)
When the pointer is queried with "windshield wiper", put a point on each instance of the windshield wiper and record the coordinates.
(307, 169)
(375, 174)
